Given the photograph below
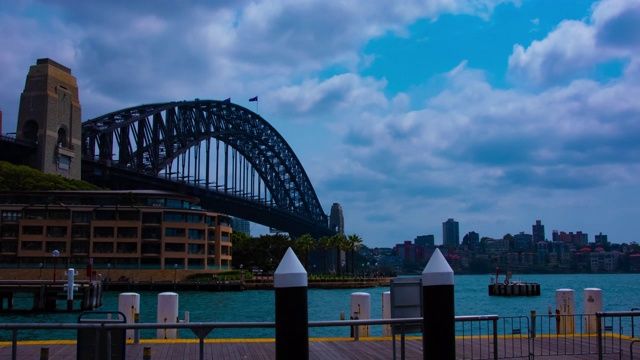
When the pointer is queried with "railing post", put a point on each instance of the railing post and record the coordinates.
(146, 353)
(599, 332)
(494, 322)
(533, 324)
(14, 345)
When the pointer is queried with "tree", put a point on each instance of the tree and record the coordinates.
(354, 242)
(337, 242)
(325, 245)
(303, 245)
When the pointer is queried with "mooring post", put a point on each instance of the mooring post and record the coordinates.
(438, 323)
(292, 313)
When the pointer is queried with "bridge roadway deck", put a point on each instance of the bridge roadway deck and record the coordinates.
(319, 349)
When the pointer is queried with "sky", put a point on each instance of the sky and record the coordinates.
(407, 113)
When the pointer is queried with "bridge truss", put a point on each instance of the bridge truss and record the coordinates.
(225, 154)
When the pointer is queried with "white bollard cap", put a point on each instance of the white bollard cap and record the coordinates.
(437, 271)
(290, 272)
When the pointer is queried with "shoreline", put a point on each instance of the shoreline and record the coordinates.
(254, 284)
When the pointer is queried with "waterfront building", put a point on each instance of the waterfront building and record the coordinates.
(425, 241)
(138, 229)
(472, 240)
(542, 252)
(451, 233)
(409, 252)
(522, 241)
(495, 246)
(538, 232)
(601, 239)
(578, 238)
(604, 262)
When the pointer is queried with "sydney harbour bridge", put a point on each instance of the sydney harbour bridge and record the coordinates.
(224, 154)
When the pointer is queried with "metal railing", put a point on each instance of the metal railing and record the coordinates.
(477, 337)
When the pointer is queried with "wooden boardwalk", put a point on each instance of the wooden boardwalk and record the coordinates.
(334, 349)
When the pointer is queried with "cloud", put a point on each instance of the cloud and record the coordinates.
(575, 48)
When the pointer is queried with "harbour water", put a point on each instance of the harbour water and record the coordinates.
(620, 293)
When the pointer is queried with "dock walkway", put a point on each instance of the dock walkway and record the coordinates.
(319, 349)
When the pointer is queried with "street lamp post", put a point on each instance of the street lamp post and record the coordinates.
(175, 273)
(55, 255)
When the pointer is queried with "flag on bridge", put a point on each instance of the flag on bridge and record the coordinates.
(255, 98)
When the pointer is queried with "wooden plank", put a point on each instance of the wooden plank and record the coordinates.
(365, 349)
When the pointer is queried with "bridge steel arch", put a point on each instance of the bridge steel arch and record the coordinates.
(223, 153)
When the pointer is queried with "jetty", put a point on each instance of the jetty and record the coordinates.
(87, 294)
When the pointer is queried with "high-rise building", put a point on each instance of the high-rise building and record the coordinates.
(50, 117)
(601, 239)
(522, 241)
(241, 225)
(472, 240)
(450, 233)
(538, 232)
(425, 240)
(336, 220)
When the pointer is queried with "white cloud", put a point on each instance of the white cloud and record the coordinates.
(574, 48)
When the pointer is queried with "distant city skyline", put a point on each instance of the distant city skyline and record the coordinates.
(494, 113)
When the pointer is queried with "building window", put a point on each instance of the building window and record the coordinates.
(31, 245)
(62, 138)
(103, 232)
(196, 234)
(127, 248)
(174, 232)
(64, 162)
(11, 216)
(81, 217)
(32, 230)
(103, 247)
(175, 204)
(173, 247)
(194, 218)
(196, 249)
(56, 231)
(173, 217)
(151, 233)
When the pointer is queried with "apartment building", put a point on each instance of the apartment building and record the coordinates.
(140, 229)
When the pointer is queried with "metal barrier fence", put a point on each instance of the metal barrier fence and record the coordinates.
(477, 337)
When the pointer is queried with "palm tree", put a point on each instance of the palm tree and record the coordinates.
(344, 246)
(324, 244)
(303, 245)
(337, 242)
(354, 243)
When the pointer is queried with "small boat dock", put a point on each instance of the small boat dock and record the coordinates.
(512, 288)
(86, 295)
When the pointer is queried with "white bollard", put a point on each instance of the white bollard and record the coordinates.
(167, 314)
(70, 287)
(386, 312)
(361, 310)
(592, 303)
(129, 305)
(565, 309)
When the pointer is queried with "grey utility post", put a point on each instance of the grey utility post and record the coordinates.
(438, 324)
(292, 310)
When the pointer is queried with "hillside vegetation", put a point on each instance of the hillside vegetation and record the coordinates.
(23, 178)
